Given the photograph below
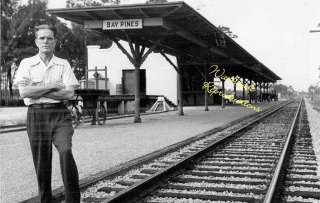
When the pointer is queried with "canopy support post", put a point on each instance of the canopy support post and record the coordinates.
(180, 85)
(243, 88)
(223, 91)
(137, 58)
(206, 108)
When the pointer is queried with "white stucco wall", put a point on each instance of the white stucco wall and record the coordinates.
(160, 75)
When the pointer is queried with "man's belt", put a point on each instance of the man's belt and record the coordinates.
(46, 105)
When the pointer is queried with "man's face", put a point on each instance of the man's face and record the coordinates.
(45, 41)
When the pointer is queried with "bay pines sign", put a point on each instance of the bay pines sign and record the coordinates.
(122, 24)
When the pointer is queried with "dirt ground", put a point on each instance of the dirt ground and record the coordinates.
(13, 115)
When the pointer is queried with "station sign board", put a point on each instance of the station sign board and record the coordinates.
(122, 24)
(217, 82)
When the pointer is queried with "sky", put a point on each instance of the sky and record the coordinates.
(275, 32)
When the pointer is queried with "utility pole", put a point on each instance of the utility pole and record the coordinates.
(314, 31)
(0, 57)
(316, 89)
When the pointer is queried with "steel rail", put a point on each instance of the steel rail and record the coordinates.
(269, 198)
(133, 192)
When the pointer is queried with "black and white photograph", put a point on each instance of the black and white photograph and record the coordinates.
(160, 101)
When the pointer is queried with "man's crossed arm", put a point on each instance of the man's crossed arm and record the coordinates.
(66, 93)
(56, 90)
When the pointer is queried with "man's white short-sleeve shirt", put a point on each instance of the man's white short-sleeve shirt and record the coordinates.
(34, 69)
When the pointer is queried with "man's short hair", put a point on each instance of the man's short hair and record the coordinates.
(46, 26)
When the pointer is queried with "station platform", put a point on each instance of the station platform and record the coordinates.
(97, 148)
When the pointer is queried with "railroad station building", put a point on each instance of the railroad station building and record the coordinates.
(158, 77)
(187, 41)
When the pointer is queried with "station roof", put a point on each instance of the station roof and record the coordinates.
(177, 29)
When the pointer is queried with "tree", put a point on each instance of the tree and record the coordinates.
(74, 45)
(14, 21)
(7, 10)
(312, 91)
(282, 89)
(83, 37)
(17, 37)
(16, 29)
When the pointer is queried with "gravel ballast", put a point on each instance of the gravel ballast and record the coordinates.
(314, 123)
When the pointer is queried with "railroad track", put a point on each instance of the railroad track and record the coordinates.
(301, 183)
(239, 168)
(243, 168)
(236, 173)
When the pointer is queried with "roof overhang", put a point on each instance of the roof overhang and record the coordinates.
(177, 29)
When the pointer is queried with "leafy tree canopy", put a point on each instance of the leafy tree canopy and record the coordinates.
(17, 37)
(17, 33)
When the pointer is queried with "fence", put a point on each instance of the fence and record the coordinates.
(315, 98)
(7, 97)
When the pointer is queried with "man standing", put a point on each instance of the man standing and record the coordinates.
(44, 81)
